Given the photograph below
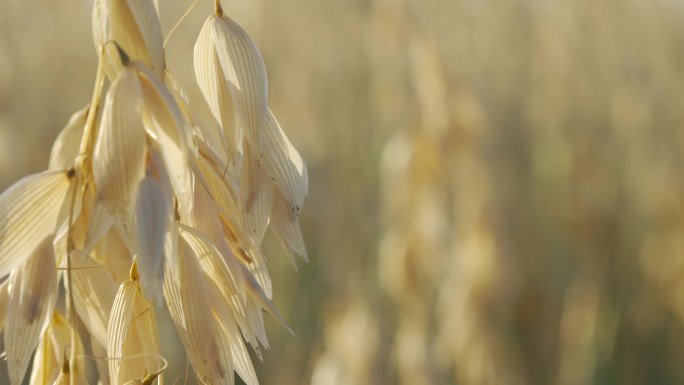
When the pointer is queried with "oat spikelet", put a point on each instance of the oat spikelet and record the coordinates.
(188, 301)
(153, 214)
(134, 26)
(28, 215)
(118, 164)
(32, 296)
(50, 359)
(133, 345)
(66, 146)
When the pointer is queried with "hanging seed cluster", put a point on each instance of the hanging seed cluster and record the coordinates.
(143, 207)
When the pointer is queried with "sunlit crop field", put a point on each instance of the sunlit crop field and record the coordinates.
(496, 187)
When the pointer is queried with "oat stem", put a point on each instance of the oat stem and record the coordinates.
(88, 139)
(75, 184)
(78, 176)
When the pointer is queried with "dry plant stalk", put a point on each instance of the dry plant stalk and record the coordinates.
(140, 207)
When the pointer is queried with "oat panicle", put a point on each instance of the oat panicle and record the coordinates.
(138, 210)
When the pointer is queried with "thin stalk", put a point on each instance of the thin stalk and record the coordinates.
(76, 182)
(178, 23)
(78, 176)
(218, 8)
(89, 134)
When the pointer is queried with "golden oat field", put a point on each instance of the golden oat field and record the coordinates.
(496, 188)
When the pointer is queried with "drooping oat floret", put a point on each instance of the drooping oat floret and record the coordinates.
(141, 209)
(273, 176)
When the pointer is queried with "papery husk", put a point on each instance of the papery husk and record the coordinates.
(32, 296)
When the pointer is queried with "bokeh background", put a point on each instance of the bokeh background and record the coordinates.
(497, 187)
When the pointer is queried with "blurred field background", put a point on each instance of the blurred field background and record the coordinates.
(497, 187)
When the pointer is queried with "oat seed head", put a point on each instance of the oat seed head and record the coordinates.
(140, 209)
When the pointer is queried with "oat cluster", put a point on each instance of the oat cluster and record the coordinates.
(143, 206)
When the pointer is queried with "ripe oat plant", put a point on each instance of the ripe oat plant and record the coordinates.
(142, 207)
